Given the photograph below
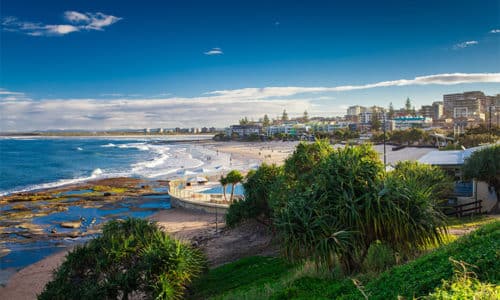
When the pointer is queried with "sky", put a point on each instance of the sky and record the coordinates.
(83, 64)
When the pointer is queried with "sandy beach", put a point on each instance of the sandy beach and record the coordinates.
(194, 227)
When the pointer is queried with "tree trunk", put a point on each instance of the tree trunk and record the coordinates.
(232, 193)
(349, 264)
(224, 192)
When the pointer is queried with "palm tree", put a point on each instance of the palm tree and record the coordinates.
(223, 181)
(233, 178)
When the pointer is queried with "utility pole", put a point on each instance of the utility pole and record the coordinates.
(385, 153)
(490, 120)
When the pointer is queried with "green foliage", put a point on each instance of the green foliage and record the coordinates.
(333, 204)
(267, 278)
(258, 186)
(233, 178)
(244, 121)
(305, 158)
(464, 285)
(410, 136)
(423, 275)
(325, 215)
(305, 117)
(410, 216)
(484, 165)
(380, 257)
(375, 122)
(265, 121)
(429, 177)
(284, 116)
(474, 140)
(223, 182)
(241, 275)
(132, 256)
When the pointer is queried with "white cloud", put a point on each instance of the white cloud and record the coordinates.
(75, 17)
(495, 31)
(442, 79)
(217, 108)
(6, 95)
(465, 44)
(61, 29)
(214, 51)
(79, 21)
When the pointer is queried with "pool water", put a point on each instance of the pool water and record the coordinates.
(238, 190)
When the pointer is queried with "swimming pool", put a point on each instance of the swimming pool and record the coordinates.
(238, 190)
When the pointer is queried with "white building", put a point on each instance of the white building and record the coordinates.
(244, 130)
(403, 123)
(289, 129)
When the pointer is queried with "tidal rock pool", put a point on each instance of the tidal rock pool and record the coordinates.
(45, 223)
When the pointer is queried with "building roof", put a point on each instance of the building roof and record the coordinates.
(448, 158)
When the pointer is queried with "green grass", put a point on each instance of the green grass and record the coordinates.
(421, 276)
(273, 278)
(242, 275)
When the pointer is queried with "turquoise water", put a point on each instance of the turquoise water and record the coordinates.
(238, 190)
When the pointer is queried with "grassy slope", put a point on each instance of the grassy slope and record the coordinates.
(259, 277)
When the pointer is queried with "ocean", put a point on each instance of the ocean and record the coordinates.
(28, 164)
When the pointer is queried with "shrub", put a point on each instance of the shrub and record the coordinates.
(379, 258)
(421, 276)
(342, 202)
(132, 257)
(464, 285)
(326, 216)
(484, 165)
(258, 186)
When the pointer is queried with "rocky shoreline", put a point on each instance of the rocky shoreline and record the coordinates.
(61, 217)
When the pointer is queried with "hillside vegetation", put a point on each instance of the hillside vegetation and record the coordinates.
(274, 278)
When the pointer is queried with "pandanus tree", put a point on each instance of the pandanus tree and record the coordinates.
(484, 165)
(234, 177)
(344, 202)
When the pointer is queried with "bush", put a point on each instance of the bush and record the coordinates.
(333, 204)
(464, 285)
(132, 257)
(423, 275)
(380, 257)
(326, 215)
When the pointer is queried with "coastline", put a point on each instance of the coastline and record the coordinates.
(191, 226)
(183, 224)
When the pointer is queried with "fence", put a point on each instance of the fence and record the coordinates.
(465, 209)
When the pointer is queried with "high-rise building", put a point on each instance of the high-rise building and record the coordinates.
(427, 111)
(356, 110)
(465, 105)
(437, 110)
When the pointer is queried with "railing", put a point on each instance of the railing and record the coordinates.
(463, 209)
(183, 193)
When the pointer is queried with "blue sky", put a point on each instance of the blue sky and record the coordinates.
(155, 63)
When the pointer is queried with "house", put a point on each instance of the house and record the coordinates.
(451, 162)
